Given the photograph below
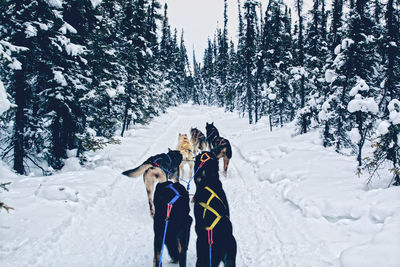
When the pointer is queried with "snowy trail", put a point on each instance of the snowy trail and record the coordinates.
(280, 213)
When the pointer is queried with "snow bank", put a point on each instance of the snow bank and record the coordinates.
(383, 248)
(323, 186)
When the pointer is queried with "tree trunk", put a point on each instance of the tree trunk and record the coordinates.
(125, 120)
(20, 122)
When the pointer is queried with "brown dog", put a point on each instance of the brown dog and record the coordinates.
(158, 168)
(198, 140)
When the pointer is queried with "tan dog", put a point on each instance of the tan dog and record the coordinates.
(185, 148)
(198, 140)
(158, 168)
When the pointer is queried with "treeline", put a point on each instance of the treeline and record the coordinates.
(79, 70)
(337, 69)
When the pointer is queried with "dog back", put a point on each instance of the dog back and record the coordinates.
(163, 195)
(211, 208)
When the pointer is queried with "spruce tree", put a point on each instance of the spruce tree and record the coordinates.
(250, 53)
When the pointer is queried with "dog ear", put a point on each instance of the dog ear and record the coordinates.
(169, 150)
(212, 123)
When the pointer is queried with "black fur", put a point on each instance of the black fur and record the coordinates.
(224, 247)
(179, 223)
(216, 142)
(212, 132)
(169, 161)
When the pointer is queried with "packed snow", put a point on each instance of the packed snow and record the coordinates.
(292, 202)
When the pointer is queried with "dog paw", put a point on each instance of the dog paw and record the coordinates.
(174, 261)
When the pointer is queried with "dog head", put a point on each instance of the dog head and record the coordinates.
(183, 138)
(193, 131)
(175, 156)
(210, 128)
(208, 173)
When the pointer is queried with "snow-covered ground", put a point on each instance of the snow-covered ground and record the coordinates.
(293, 203)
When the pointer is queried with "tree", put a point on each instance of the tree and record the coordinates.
(249, 53)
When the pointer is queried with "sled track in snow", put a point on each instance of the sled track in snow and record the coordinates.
(287, 239)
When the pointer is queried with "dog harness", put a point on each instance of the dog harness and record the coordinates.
(206, 207)
(169, 208)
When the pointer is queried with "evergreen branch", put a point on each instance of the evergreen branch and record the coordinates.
(4, 186)
(4, 206)
(37, 165)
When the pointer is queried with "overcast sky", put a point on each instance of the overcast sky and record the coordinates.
(199, 19)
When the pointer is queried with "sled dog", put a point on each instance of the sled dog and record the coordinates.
(157, 168)
(211, 211)
(219, 145)
(185, 148)
(198, 140)
(179, 222)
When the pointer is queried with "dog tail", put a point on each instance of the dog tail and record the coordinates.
(228, 150)
(137, 171)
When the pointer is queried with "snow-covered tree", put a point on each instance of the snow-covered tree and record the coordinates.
(387, 146)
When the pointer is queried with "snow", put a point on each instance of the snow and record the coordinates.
(292, 202)
(55, 3)
(272, 96)
(337, 50)
(330, 76)
(59, 77)
(95, 3)
(30, 31)
(346, 43)
(111, 92)
(383, 127)
(361, 85)
(394, 108)
(70, 48)
(15, 65)
(363, 104)
(67, 28)
(355, 136)
(4, 103)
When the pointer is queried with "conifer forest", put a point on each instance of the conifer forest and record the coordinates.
(76, 74)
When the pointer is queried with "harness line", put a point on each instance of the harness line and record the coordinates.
(169, 208)
(190, 180)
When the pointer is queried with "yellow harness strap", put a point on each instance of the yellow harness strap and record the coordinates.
(206, 207)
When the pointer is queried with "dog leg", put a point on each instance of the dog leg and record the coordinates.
(226, 164)
(194, 147)
(182, 253)
(181, 167)
(230, 255)
(176, 173)
(158, 238)
(191, 168)
(173, 250)
(149, 183)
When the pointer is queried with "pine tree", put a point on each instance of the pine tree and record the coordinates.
(49, 98)
(277, 57)
(386, 147)
(249, 53)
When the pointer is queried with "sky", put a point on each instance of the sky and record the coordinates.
(200, 18)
